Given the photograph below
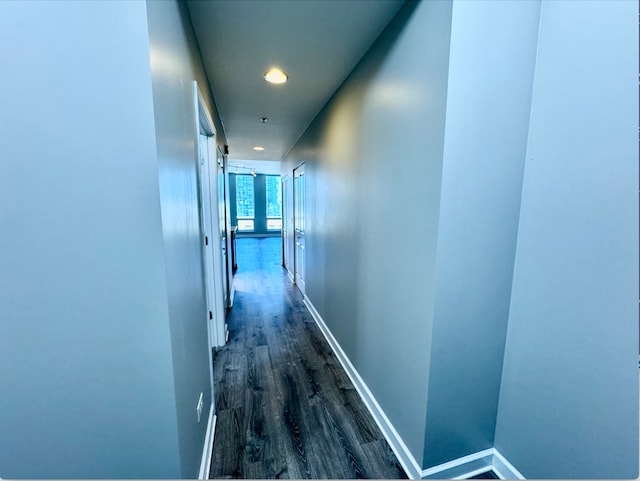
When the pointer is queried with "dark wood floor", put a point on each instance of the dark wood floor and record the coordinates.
(285, 406)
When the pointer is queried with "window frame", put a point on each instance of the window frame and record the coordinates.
(266, 189)
(246, 218)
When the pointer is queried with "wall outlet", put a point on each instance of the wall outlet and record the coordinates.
(199, 407)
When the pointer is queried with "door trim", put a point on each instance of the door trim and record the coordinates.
(299, 281)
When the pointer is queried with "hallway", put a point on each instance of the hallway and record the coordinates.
(466, 227)
(285, 406)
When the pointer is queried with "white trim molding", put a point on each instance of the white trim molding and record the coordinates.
(472, 465)
(207, 450)
(461, 468)
(408, 462)
(503, 468)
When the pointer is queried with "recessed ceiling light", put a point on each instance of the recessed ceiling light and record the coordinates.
(276, 76)
(258, 147)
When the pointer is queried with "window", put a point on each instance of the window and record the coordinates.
(274, 202)
(244, 202)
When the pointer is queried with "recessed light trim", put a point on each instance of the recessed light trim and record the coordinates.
(258, 148)
(276, 76)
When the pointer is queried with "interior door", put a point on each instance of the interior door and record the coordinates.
(286, 229)
(208, 237)
(222, 226)
(298, 225)
(223, 231)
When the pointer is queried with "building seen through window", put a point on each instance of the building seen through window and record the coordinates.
(245, 202)
(274, 202)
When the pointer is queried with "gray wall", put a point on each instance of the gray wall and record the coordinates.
(373, 166)
(86, 378)
(491, 64)
(423, 263)
(175, 63)
(569, 397)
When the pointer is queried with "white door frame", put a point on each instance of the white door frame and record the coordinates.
(287, 219)
(299, 264)
(215, 316)
(225, 227)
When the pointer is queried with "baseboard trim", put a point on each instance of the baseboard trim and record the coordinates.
(470, 475)
(398, 446)
(503, 468)
(472, 465)
(207, 450)
(461, 468)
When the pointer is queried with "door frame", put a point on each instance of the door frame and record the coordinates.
(296, 215)
(222, 158)
(210, 241)
(286, 231)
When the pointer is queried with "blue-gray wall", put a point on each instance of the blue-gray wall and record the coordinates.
(373, 167)
(491, 64)
(569, 397)
(175, 63)
(86, 379)
(260, 206)
(424, 264)
(103, 328)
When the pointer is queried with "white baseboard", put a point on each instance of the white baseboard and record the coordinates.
(472, 465)
(290, 276)
(461, 468)
(207, 450)
(503, 468)
(397, 444)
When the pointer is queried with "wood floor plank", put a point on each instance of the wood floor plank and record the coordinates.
(286, 408)
(380, 453)
(228, 462)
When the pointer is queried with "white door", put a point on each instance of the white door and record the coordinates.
(220, 326)
(298, 226)
(225, 241)
(208, 239)
(286, 229)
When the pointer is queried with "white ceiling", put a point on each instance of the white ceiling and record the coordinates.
(316, 42)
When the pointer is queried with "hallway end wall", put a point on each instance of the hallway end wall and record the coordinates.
(175, 64)
(569, 394)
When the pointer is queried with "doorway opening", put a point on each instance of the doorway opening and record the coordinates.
(211, 191)
(298, 226)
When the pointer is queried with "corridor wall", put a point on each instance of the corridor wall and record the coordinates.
(373, 164)
(491, 65)
(416, 236)
(175, 63)
(86, 373)
(103, 318)
(569, 393)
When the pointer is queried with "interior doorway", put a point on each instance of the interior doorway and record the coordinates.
(298, 226)
(287, 230)
(212, 253)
